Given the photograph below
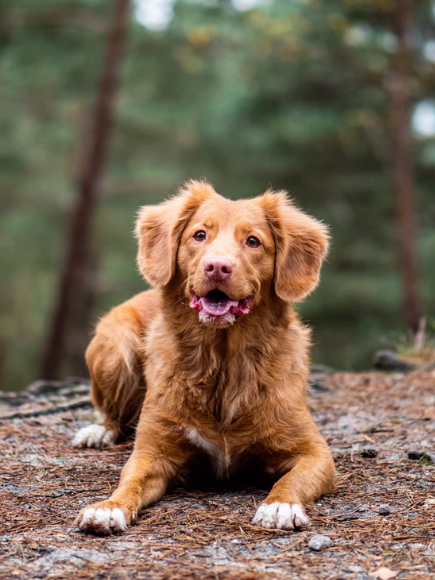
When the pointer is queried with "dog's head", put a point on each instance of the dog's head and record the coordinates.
(227, 256)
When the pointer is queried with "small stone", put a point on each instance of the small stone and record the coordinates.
(319, 542)
(387, 360)
(369, 453)
(422, 457)
(384, 511)
(415, 455)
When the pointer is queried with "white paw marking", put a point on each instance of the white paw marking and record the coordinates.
(102, 521)
(93, 436)
(280, 515)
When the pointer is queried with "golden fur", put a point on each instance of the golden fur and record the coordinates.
(234, 389)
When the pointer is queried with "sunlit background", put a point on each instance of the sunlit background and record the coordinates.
(293, 94)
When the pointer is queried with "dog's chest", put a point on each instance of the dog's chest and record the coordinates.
(221, 454)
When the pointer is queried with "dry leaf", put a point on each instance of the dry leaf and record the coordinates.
(384, 573)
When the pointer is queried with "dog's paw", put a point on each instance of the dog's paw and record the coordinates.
(102, 519)
(93, 436)
(280, 515)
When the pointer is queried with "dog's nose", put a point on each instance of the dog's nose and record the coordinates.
(218, 268)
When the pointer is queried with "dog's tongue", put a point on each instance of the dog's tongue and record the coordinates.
(219, 305)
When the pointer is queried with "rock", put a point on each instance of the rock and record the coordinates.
(387, 360)
(421, 456)
(384, 511)
(319, 543)
(369, 453)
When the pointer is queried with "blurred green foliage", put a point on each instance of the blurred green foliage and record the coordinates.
(290, 94)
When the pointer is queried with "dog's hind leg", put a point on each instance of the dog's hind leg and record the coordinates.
(114, 358)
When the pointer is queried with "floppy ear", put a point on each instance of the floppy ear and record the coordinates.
(301, 245)
(159, 229)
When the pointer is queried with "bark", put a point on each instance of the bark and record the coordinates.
(75, 291)
(403, 170)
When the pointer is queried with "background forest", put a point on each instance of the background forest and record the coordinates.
(294, 94)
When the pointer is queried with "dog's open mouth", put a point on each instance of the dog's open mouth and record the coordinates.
(218, 304)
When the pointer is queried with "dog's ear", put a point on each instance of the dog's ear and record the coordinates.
(159, 229)
(301, 245)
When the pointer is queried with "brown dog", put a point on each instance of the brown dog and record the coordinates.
(215, 355)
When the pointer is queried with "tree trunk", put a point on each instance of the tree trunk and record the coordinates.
(404, 183)
(76, 289)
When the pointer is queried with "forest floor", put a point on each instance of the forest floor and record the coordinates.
(381, 429)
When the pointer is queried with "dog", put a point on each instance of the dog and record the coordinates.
(213, 359)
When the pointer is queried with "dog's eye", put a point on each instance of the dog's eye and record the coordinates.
(253, 242)
(199, 236)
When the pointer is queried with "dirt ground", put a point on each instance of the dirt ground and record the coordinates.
(381, 428)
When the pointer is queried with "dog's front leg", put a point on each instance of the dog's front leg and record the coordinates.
(308, 477)
(144, 478)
